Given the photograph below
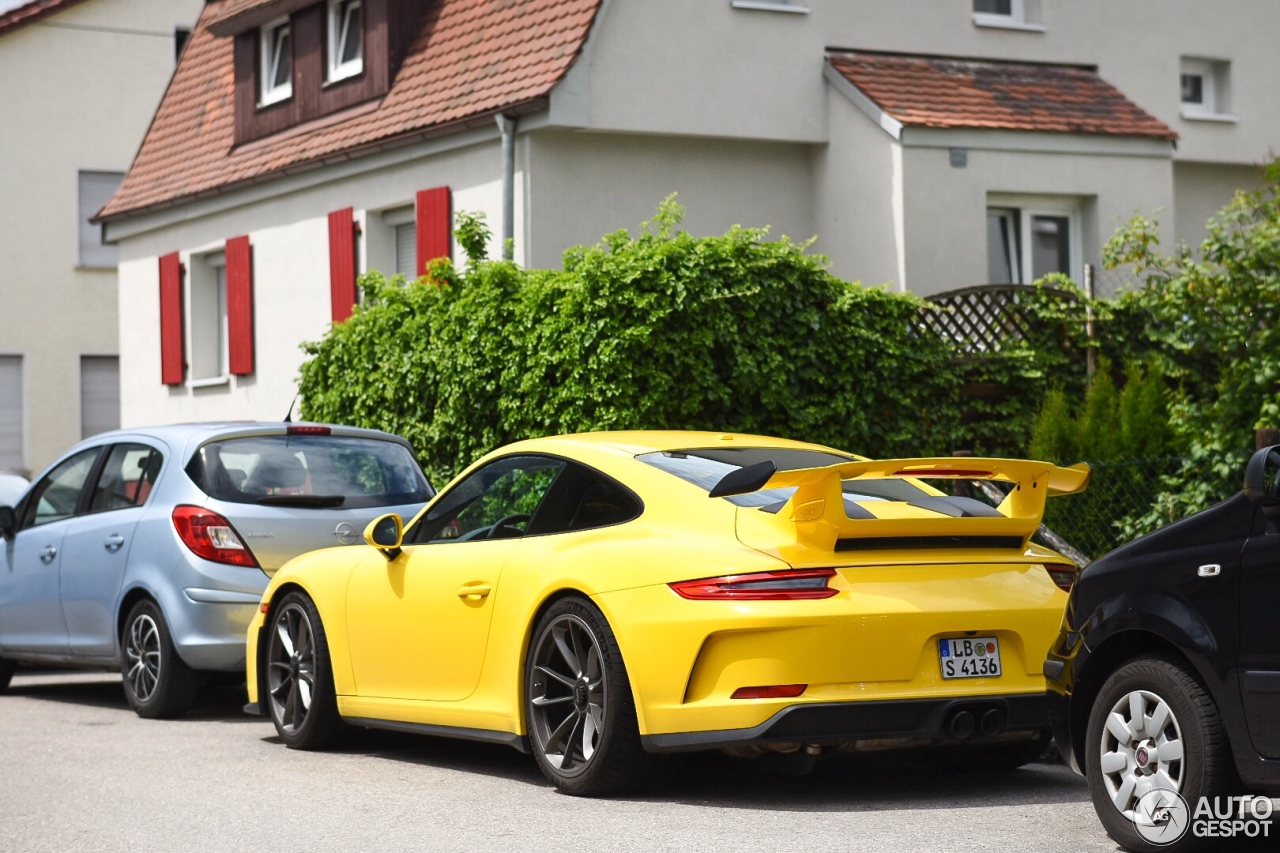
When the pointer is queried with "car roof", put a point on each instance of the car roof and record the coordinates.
(206, 430)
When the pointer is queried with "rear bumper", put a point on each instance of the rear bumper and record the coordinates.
(915, 719)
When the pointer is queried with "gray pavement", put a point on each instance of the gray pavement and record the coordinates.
(79, 771)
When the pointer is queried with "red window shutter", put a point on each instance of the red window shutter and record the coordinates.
(240, 306)
(342, 263)
(435, 221)
(172, 365)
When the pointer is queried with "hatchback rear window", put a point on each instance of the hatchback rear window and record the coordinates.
(328, 471)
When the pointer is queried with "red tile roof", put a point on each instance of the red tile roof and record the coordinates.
(30, 12)
(931, 91)
(472, 59)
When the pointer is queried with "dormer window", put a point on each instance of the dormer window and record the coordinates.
(276, 63)
(345, 42)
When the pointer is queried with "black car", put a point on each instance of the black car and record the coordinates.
(1166, 673)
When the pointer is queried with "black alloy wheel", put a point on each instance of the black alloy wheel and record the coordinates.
(578, 704)
(300, 698)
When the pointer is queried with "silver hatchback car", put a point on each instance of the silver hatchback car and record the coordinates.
(150, 548)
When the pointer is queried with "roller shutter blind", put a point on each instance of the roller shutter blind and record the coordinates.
(96, 188)
(11, 407)
(99, 394)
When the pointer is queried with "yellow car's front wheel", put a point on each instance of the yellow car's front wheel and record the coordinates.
(299, 679)
(578, 702)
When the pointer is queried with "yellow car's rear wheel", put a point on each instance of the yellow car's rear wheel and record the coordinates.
(578, 703)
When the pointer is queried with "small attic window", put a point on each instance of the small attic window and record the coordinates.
(345, 40)
(276, 63)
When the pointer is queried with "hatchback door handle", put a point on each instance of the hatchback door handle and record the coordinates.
(47, 554)
(113, 542)
(475, 589)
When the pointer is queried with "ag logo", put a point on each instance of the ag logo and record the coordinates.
(1161, 816)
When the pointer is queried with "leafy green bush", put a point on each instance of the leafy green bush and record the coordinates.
(1209, 319)
(659, 331)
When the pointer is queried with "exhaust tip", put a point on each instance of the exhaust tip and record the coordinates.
(992, 723)
(961, 725)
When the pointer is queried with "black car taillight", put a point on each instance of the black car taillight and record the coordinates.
(1064, 576)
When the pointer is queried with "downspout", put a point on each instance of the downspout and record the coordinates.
(507, 126)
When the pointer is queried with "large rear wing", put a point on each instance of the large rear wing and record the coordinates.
(817, 509)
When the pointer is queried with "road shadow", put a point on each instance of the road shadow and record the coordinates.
(216, 701)
(839, 783)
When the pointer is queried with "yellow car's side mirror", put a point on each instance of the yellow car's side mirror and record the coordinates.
(385, 533)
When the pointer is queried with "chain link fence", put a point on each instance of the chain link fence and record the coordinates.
(1119, 491)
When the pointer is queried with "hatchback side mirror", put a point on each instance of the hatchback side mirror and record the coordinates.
(8, 522)
(385, 533)
(1262, 480)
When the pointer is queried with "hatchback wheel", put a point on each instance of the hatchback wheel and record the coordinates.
(299, 678)
(578, 704)
(157, 683)
(1153, 732)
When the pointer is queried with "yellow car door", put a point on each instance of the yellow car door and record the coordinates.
(418, 625)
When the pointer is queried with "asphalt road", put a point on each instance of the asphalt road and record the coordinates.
(79, 771)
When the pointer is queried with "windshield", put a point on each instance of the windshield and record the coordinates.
(705, 467)
(309, 471)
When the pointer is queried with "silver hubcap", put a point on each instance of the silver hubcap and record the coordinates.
(291, 668)
(142, 651)
(567, 695)
(1141, 750)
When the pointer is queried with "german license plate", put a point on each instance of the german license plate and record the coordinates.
(970, 657)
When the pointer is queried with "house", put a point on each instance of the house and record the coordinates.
(930, 144)
(82, 80)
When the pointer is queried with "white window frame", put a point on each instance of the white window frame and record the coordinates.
(338, 70)
(268, 59)
(205, 268)
(1028, 207)
(1023, 15)
(1215, 89)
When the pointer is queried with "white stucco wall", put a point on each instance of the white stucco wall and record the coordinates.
(1203, 189)
(74, 98)
(585, 185)
(290, 239)
(758, 73)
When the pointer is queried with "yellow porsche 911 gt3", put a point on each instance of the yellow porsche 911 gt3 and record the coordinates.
(601, 599)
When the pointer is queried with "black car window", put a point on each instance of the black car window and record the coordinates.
(55, 497)
(582, 499)
(496, 501)
(127, 477)
(304, 471)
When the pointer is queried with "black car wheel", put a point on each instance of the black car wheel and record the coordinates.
(1153, 729)
(299, 677)
(157, 683)
(578, 704)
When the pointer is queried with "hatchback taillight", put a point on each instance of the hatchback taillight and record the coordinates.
(760, 586)
(211, 536)
(1064, 576)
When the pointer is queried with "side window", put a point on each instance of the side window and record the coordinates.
(55, 497)
(498, 501)
(127, 478)
(582, 499)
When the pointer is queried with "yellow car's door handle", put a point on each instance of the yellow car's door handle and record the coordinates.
(475, 589)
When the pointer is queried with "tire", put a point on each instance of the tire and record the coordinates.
(157, 683)
(7, 668)
(298, 689)
(1199, 766)
(578, 705)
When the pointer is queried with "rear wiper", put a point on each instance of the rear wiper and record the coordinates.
(302, 500)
